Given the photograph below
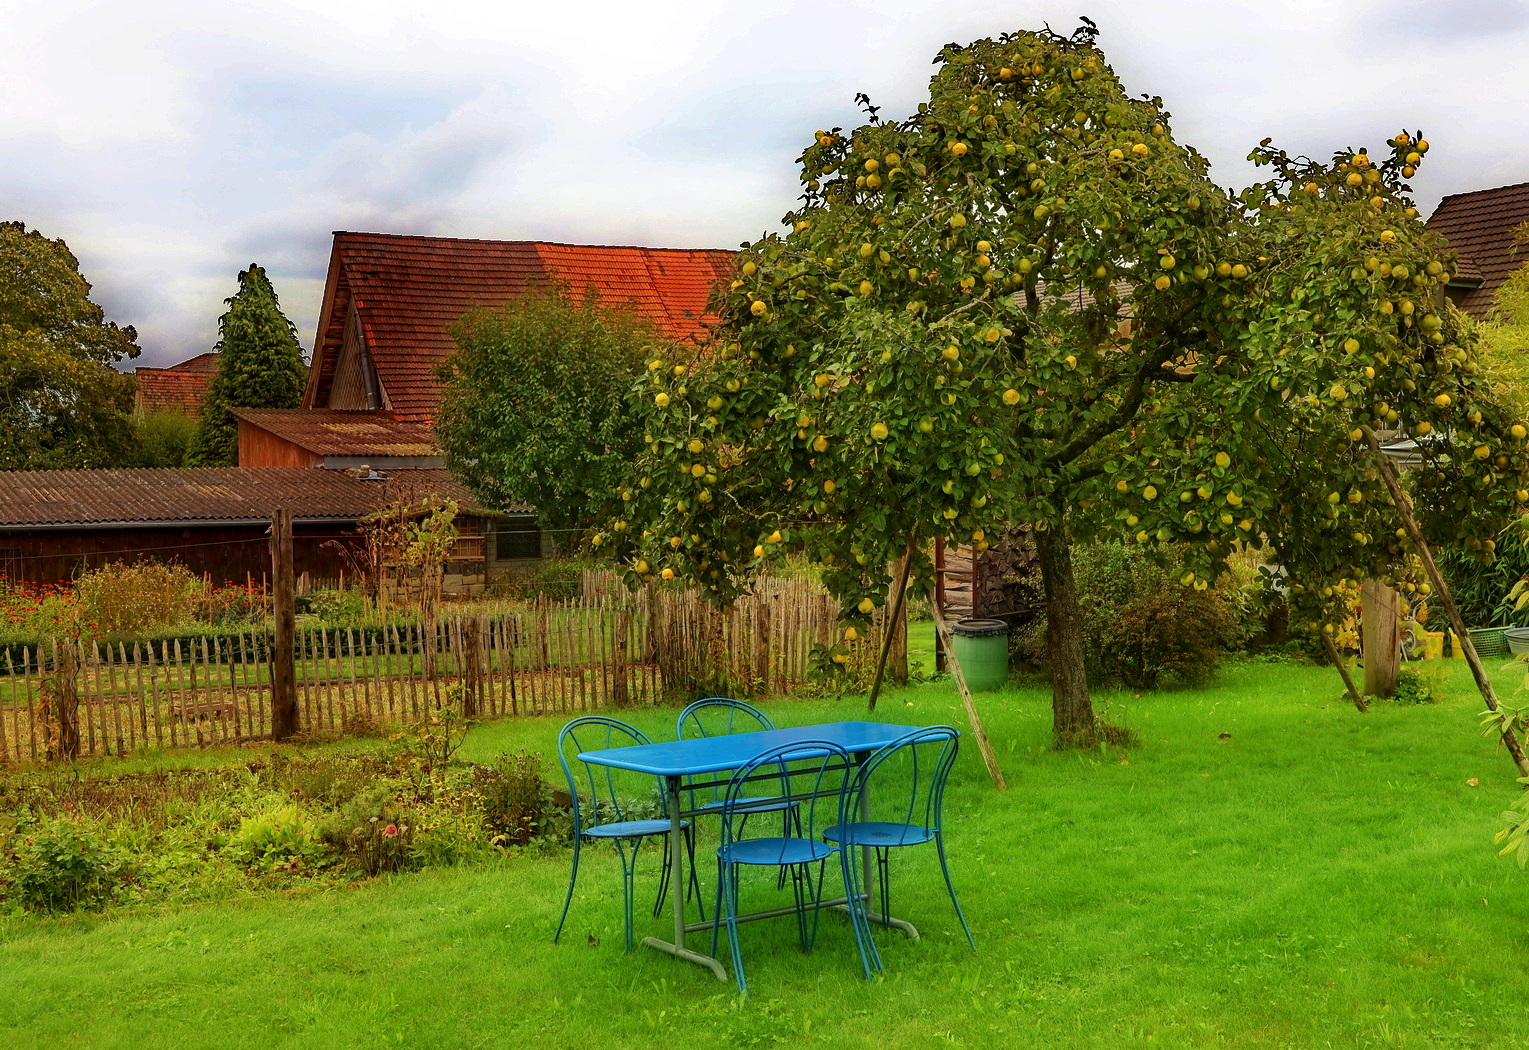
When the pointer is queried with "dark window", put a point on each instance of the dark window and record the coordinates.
(517, 538)
(10, 562)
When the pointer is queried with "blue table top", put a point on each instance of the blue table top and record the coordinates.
(714, 754)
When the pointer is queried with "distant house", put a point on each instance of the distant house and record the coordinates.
(389, 300)
(55, 524)
(1480, 228)
(179, 388)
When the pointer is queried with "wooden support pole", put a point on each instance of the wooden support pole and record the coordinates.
(893, 618)
(1468, 648)
(283, 673)
(1348, 680)
(942, 630)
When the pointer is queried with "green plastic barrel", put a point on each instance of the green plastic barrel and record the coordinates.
(982, 649)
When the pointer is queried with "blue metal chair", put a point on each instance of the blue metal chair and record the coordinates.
(901, 786)
(724, 716)
(822, 776)
(606, 808)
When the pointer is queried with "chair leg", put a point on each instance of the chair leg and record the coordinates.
(628, 867)
(716, 915)
(663, 884)
(863, 941)
(883, 884)
(695, 882)
(798, 891)
(732, 929)
(939, 845)
(567, 900)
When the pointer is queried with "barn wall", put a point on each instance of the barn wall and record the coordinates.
(229, 553)
(261, 448)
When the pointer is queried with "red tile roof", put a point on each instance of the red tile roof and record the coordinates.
(34, 498)
(1479, 227)
(407, 290)
(168, 390)
(207, 362)
(335, 432)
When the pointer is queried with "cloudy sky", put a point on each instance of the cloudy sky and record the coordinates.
(172, 142)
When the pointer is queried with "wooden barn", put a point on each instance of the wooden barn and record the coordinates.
(55, 524)
(321, 437)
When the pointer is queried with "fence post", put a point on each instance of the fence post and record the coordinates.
(283, 673)
(66, 709)
(471, 669)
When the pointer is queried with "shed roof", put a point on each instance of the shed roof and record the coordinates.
(205, 495)
(407, 290)
(1479, 227)
(335, 432)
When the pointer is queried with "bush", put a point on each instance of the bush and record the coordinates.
(1141, 626)
(558, 579)
(232, 605)
(282, 835)
(514, 799)
(337, 607)
(61, 864)
(1479, 589)
(129, 599)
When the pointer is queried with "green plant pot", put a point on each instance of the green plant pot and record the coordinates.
(1490, 642)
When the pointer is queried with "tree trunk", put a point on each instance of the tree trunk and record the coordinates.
(1073, 722)
(1381, 638)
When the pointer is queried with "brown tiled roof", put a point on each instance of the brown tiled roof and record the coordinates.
(407, 290)
(1479, 227)
(164, 390)
(207, 362)
(33, 498)
(334, 432)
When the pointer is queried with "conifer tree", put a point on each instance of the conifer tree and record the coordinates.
(260, 365)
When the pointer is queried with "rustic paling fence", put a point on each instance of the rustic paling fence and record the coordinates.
(67, 697)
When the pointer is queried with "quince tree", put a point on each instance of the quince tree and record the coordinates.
(1028, 302)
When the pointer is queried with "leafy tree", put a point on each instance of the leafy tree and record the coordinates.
(260, 365)
(1028, 303)
(164, 439)
(62, 405)
(535, 408)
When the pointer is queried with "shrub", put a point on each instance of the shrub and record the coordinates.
(514, 799)
(133, 598)
(1480, 589)
(1141, 625)
(60, 864)
(372, 832)
(337, 607)
(557, 579)
(232, 605)
(280, 836)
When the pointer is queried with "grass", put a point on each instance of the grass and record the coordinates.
(1267, 869)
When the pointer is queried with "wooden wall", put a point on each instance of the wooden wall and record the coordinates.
(261, 448)
(230, 553)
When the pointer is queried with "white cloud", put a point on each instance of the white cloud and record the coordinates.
(173, 142)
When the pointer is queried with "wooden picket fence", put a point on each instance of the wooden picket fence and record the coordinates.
(68, 697)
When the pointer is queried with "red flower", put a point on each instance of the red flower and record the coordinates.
(390, 831)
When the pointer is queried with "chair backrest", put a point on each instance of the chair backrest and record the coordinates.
(719, 716)
(817, 774)
(904, 782)
(716, 716)
(607, 793)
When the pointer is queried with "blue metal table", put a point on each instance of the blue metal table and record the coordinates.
(673, 761)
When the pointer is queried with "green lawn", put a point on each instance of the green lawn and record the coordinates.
(1268, 868)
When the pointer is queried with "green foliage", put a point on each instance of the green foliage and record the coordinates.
(558, 578)
(336, 607)
(1413, 687)
(260, 365)
(534, 407)
(1482, 587)
(164, 439)
(128, 599)
(280, 835)
(901, 363)
(513, 797)
(1142, 627)
(61, 864)
(62, 405)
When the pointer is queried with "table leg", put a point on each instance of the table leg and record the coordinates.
(678, 883)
